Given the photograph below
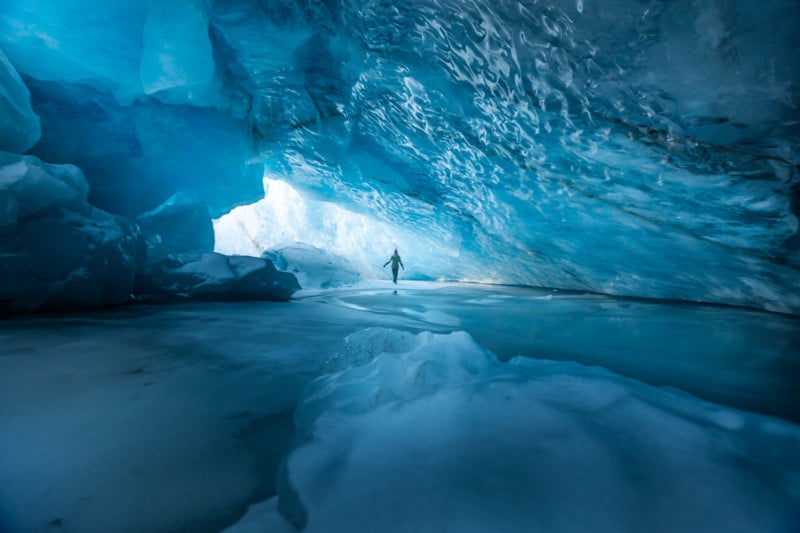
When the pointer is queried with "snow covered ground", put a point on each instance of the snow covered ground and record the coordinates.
(401, 407)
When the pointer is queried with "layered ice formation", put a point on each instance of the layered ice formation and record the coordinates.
(212, 276)
(56, 250)
(19, 125)
(185, 148)
(314, 268)
(181, 224)
(632, 148)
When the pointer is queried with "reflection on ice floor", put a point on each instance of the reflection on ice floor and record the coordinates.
(176, 417)
(436, 432)
(733, 356)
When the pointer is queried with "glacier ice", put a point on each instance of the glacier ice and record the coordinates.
(314, 268)
(134, 157)
(80, 41)
(719, 354)
(19, 125)
(640, 149)
(56, 250)
(180, 262)
(59, 252)
(285, 217)
(135, 49)
(176, 50)
(183, 149)
(181, 224)
(440, 433)
(213, 276)
(99, 407)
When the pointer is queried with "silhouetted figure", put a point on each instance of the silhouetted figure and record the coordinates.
(395, 261)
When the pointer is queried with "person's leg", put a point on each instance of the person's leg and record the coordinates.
(394, 275)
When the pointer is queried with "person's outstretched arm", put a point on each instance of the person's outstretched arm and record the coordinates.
(389, 261)
(401, 263)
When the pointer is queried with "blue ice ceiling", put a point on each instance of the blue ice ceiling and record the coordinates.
(633, 147)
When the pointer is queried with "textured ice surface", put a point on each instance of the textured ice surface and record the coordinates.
(181, 224)
(314, 268)
(724, 355)
(212, 276)
(19, 125)
(631, 148)
(285, 217)
(195, 399)
(441, 436)
(176, 52)
(53, 41)
(137, 156)
(59, 252)
(552, 145)
(56, 250)
(153, 418)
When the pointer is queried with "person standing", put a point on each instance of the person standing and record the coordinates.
(395, 261)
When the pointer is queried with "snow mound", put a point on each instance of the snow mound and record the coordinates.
(365, 345)
(56, 250)
(315, 268)
(441, 436)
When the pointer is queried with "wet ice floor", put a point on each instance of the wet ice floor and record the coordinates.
(176, 417)
(738, 357)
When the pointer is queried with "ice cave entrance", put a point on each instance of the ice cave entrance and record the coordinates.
(286, 218)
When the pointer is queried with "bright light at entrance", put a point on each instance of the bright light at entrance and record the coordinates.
(284, 217)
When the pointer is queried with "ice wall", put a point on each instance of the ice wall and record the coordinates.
(19, 125)
(131, 93)
(638, 148)
(56, 250)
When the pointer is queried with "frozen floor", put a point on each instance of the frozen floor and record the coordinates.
(177, 417)
(734, 356)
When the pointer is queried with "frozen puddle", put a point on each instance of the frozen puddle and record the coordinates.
(177, 418)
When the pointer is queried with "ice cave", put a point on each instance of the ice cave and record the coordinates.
(590, 209)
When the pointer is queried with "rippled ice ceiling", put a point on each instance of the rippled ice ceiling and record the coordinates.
(633, 147)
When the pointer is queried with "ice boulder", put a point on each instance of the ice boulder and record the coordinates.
(214, 276)
(435, 434)
(19, 125)
(314, 268)
(181, 224)
(56, 250)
